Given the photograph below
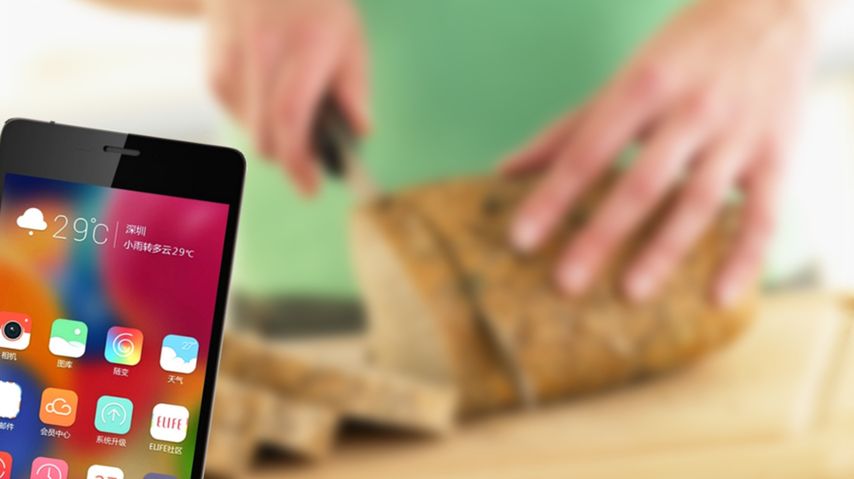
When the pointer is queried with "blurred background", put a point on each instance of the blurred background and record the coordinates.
(88, 65)
(79, 63)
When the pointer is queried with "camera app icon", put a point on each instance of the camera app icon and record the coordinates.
(15, 331)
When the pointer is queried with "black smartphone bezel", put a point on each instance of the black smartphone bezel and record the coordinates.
(146, 164)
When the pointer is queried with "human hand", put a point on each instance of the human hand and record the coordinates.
(273, 62)
(711, 99)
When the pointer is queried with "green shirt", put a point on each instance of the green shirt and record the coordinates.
(456, 85)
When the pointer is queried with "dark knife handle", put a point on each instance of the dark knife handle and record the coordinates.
(333, 138)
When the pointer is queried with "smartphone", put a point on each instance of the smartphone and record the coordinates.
(115, 259)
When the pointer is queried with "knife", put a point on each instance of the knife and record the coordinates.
(336, 144)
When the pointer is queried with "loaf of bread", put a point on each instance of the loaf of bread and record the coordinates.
(357, 392)
(450, 301)
(236, 423)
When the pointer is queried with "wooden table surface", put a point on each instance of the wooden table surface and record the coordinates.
(779, 402)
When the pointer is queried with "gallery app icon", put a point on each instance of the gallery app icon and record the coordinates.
(124, 346)
(179, 354)
(47, 468)
(104, 472)
(10, 400)
(169, 422)
(59, 407)
(5, 465)
(68, 338)
(113, 415)
(15, 330)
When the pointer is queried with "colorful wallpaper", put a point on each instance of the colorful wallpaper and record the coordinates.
(107, 298)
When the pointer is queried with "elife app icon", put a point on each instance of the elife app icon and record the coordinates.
(169, 422)
(124, 346)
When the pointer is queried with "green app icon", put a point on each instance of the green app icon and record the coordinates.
(68, 338)
(113, 415)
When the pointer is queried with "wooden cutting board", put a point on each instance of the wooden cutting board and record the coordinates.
(779, 403)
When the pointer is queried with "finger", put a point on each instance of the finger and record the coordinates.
(612, 122)
(224, 52)
(262, 53)
(696, 206)
(226, 81)
(302, 84)
(634, 196)
(757, 224)
(351, 86)
(542, 149)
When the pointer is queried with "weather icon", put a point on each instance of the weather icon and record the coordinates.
(32, 220)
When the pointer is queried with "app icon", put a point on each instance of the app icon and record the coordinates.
(152, 475)
(32, 220)
(47, 468)
(113, 415)
(179, 354)
(10, 400)
(5, 465)
(169, 422)
(124, 346)
(105, 472)
(59, 407)
(14, 330)
(68, 338)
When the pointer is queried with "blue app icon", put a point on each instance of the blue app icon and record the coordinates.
(152, 475)
(179, 354)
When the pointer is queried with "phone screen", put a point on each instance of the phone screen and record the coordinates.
(107, 310)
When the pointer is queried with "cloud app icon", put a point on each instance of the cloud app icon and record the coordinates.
(59, 407)
(179, 354)
(68, 338)
(33, 220)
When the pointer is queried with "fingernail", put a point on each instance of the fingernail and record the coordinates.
(525, 235)
(573, 279)
(639, 286)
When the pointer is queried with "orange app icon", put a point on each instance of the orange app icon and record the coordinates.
(59, 407)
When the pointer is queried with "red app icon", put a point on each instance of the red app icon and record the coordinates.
(14, 330)
(47, 468)
(5, 465)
